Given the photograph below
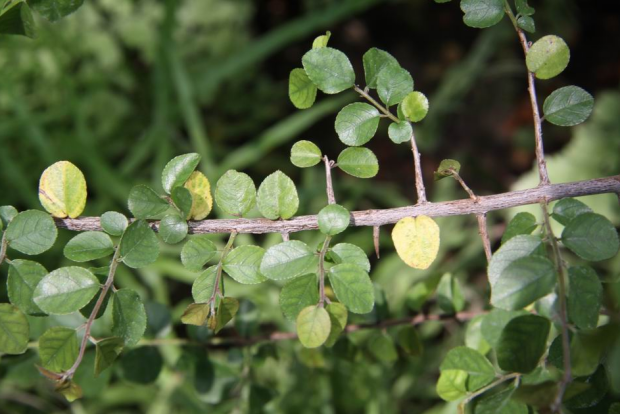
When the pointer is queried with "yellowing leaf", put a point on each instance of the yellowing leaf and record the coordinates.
(62, 190)
(202, 202)
(417, 241)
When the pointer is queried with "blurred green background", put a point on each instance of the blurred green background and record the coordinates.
(120, 87)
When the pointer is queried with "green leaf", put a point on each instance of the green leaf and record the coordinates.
(522, 344)
(101, 273)
(452, 384)
(141, 365)
(235, 193)
(107, 351)
(393, 84)
(410, 341)
(277, 197)
(479, 370)
(523, 8)
(24, 276)
(592, 237)
(114, 223)
(31, 232)
(329, 69)
(17, 19)
(352, 287)
(58, 348)
(548, 57)
(338, 316)
(178, 170)
(288, 260)
(7, 213)
(200, 191)
(313, 326)
(54, 10)
(568, 106)
(494, 322)
(66, 290)
(415, 106)
(301, 90)
(298, 294)
(382, 347)
(585, 297)
(515, 248)
(14, 329)
(305, 154)
(375, 60)
(128, 316)
(447, 168)
(62, 190)
(614, 408)
(357, 123)
(173, 229)
(243, 263)
(521, 224)
(565, 210)
(197, 252)
(482, 13)
(89, 245)
(182, 199)
(333, 219)
(597, 386)
(144, 203)
(321, 41)
(400, 132)
(196, 314)
(139, 246)
(500, 403)
(474, 338)
(522, 282)
(358, 162)
(416, 240)
(204, 285)
(225, 312)
(349, 253)
(449, 294)
(527, 23)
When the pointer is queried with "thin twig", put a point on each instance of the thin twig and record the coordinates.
(322, 297)
(561, 269)
(331, 198)
(217, 289)
(386, 216)
(492, 385)
(89, 323)
(531, 81)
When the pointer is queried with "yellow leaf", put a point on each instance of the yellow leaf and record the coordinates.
(416, 241)
(202, 202)
(196, 314)
(62, 190)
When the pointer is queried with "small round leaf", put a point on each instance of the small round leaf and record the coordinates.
(114, 223)
(235, 193)
(333, 219)
(400, 132)
(352, 287)
(482, 13)
(139, 246)
(89, 245)
(288, 260)
(31, 232)
(66, 290)
(313, 326)
(568, 106)
(592, 237)
(305, 154)
(277, 197)
(172, 229)
(329, 69)
(62, 190)
(548, 57)
(393, 84)
(375, 60)
(415, 106)
(417, 241)
(301, 90)
(357, 123)
(358, 162)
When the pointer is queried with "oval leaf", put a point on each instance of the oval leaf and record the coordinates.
(243, 263)
(338, 316)
(114, 223)
(89, 245)
(62, 190)
(548, 57)
(301, 90)
(329, 69)
(357, 123)
(197, 252)
(482, 13)
(15, 330)
(66, 290)
(31, 232)
(349, 253)
(277, 197)
(352, 287)
(204, 285)
(565, 210)
(568, 106)
(480, 371)
(333, 219)
(288, 260)
(235, 193)
(523, 343)
(58, 348)
(144, 203)
(172, 229)
(585, 297)
(416, 241)
(515, 248)
(522, 282)
(178, 170)
(393, 84)
(400, 132)
(305, 154)
(358, 162)
(415, 106)
(313, 326)
(128, 316)
(592, 237)
(139, 246)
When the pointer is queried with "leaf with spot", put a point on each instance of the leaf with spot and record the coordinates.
(89, 245)
(358, 162)
(62, 190)
(548, 57)
(14, 330)
(301, 90)
(357, 123)
(243, 264)
(329, 69)
(277, 197)
(139, 246)
(24, 276)
(352, 287)
(178, 170)
(128, 316)
(58, 348)
(31, 232)
(66, 290)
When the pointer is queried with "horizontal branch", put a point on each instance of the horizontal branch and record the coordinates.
(224, 342)
(372, 218)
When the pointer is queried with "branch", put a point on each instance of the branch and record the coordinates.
(374, 218)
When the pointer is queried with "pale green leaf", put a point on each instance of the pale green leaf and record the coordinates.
(329, 69)
(204, 285)
(58, 348)
(235, 193)
(568, 106)
(305, 154)
(139, 246)
(277, 197)
(313, 326)
(358, 162)
(196, 314)
(66, 290)
(144, 203)
(452, 385)
(128, 316)
(357, 123)
(482, 13)
(298, 294)
(400, 132)
(321, 41)
(107, 351)
(338, 317)
(480, 371)
(301, 90)
(288, 260)
(415, 106)
(548, 57)
(173, 229)
(243, 264)
(349, 253)
(352, 287)
(473, 335)
(522, 343)
(393, 84)
(89, 245)
(375, 60)
(14, 330)
(592, 237)
(333, 219)
(24, 276)
(197, 252)
(114, 223)
(178, 170)
(522, 282)
(31, 232)
(62, 190)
